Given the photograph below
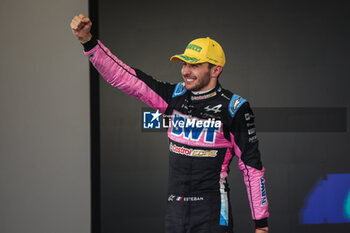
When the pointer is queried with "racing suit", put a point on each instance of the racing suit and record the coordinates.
(205, 131)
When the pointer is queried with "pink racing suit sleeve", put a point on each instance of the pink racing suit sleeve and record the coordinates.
(245, 145)
(131, 81)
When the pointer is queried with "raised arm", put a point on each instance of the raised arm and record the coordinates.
(134, 82)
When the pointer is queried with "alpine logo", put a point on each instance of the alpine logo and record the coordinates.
(171, 197)
(215, 109)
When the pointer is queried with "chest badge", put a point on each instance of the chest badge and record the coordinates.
(215, 109)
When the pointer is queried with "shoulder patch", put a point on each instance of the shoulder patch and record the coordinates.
(235, 103)
(179, 90)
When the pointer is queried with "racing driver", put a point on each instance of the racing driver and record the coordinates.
(209, 125)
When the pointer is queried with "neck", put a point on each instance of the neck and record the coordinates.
(211, 85)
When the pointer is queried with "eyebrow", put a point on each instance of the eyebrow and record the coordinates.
(195, 64)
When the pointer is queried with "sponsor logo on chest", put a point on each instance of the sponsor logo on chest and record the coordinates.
(193, 128)
(191, 152)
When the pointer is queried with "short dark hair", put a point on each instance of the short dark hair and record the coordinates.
(211, 65)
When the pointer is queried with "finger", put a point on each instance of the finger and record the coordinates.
(85, 20)
(74, 25)
(80, 24)
(76, 18)
(82, 16)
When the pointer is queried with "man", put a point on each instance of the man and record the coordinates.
(208, 126)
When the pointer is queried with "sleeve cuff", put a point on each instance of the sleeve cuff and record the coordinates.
(261, 223)
(90, 44)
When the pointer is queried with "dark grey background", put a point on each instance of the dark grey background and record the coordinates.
(44, 119)
(279, 54)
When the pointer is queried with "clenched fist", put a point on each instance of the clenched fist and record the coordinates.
(81, 26)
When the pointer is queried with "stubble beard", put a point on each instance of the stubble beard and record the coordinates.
(203, 82)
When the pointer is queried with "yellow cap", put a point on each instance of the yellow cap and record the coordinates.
(202, 50)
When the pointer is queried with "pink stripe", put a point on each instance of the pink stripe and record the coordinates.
(123, 77)
(224, 166)
(252, 181)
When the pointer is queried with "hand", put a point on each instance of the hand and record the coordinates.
(81, 26)
(262, 230)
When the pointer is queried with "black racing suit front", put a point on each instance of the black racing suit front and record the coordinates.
(205, 131)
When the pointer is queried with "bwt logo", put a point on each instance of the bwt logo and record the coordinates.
(151, 120)
(193, 128)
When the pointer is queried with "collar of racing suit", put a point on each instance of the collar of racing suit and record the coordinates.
(206, 94)
(201, 92)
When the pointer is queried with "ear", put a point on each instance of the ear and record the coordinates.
(215, 71)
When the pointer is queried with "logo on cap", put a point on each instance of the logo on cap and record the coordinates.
(194, 47)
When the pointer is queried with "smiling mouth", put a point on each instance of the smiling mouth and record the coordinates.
(187, 79)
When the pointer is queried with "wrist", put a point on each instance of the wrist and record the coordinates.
(86, 39)
(265, 229)
(90, 44)
(261, 223)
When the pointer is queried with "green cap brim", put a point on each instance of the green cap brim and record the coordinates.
(187, 59)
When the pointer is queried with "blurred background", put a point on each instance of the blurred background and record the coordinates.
(45, 119)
